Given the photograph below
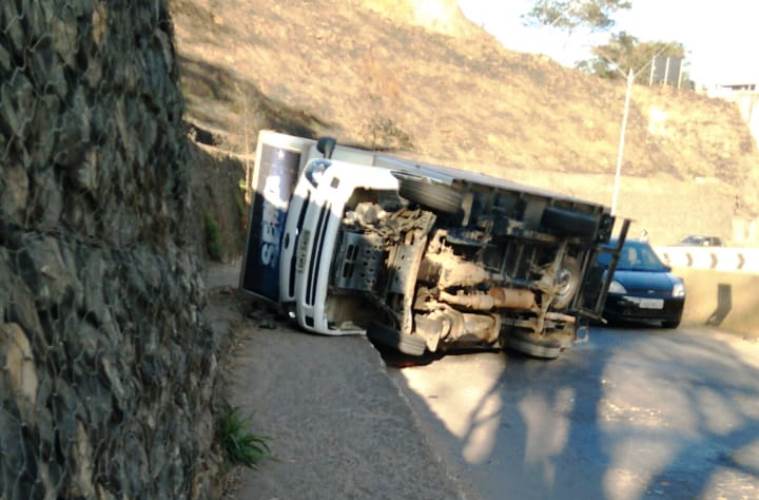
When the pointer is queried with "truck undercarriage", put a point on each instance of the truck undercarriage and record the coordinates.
(485, 275)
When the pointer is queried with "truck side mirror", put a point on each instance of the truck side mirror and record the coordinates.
(326, 146)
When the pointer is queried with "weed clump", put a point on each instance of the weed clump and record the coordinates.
(240, 445)
(213, 238)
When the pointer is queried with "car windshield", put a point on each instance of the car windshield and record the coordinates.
(699, 240)
(693, 240)
(635, 256)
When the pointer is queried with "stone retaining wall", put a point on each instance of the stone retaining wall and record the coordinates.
(106, 367)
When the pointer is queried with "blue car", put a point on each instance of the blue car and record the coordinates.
(643, 289)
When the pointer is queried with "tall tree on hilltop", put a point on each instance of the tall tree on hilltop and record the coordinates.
(571, 14)
(625, 52)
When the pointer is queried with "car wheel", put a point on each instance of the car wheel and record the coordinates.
(412, 345)
(435, 196)
(671, 324)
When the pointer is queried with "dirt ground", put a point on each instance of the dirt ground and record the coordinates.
(337, 425)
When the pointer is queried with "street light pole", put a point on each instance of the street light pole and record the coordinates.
(621, 148)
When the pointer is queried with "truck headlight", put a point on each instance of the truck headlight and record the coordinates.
(315, 170)
(616, 287)
(678, 290)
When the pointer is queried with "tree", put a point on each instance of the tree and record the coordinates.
(572, 14)
(625, 52)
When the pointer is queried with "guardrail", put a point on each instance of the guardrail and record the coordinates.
(724, 300)
(726, 259)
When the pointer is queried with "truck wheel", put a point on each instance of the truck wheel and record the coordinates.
(438, 197)
(531, 344)
(412, 345)
(569, 223)
(568, 280)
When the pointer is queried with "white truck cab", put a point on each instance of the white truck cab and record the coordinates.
(280, 161)
(312, 234)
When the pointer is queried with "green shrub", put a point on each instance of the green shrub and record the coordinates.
(242, 210)
(213, 238)
(241, 446)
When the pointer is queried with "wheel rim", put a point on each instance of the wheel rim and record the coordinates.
(567, 282)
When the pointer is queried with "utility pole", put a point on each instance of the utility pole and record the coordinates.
(621, 148)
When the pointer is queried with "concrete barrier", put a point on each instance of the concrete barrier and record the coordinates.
(714, 258)
(725, 300)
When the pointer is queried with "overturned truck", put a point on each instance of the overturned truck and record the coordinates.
(419, 257)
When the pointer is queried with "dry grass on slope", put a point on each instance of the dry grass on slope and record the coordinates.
(367, 72)
(437, 16)
(320, 66)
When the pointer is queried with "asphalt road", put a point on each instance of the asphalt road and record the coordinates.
(629, 414)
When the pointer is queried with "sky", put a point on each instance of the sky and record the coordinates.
(721, 37)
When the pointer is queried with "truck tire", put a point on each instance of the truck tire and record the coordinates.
(432, 195)
(569, 223)
(536, 346)
(412, 345)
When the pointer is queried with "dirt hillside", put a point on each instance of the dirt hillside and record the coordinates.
(418, 78)
(438, 16)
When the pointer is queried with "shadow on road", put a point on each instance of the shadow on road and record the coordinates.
(630, 414)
